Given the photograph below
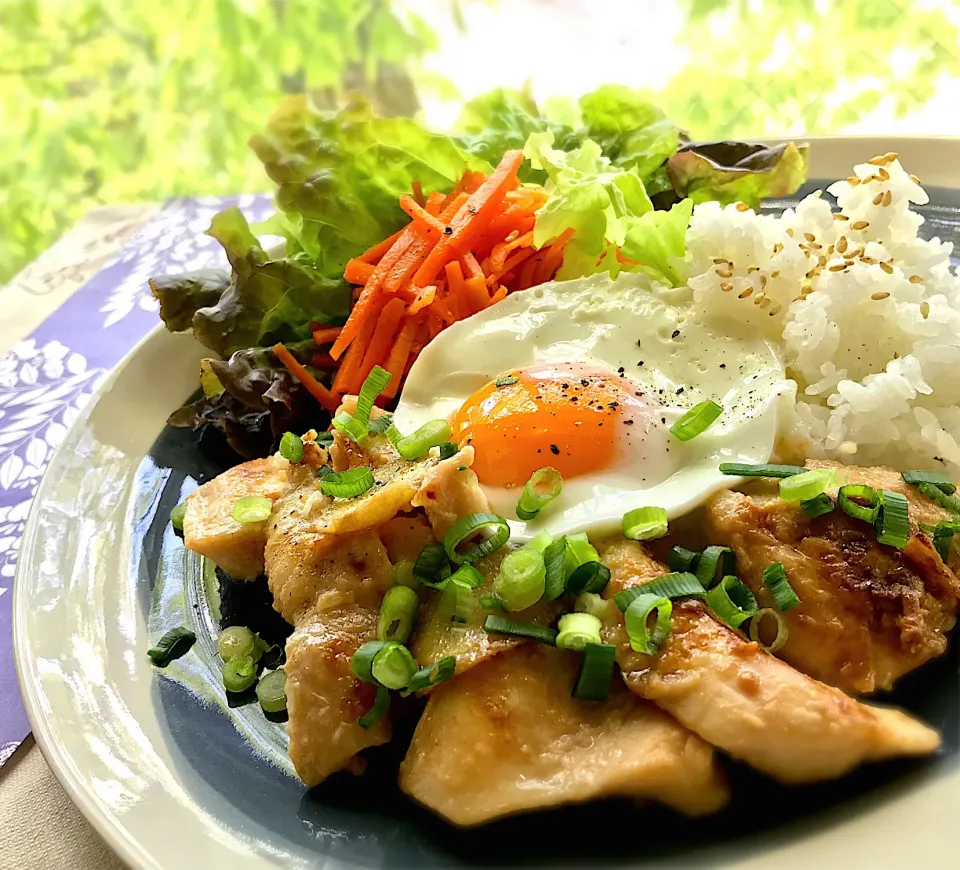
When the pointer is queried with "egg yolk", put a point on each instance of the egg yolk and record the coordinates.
(578, 419)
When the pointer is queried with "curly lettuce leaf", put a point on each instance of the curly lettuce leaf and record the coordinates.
(737, 171)
(265, 300)
(632, 132)
(340, 175)
(588, 195)
(657, 241)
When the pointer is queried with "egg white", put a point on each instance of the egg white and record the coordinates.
(650, 333)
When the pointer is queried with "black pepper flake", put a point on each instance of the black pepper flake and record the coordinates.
(614, 405)
(639, 363)
(584, 382)
(663, 420)
(723, 365)
(628, 422)
(620, 370)
(565, 386)
(448, 231)
(472, 208)
(554, 450)
(679, 390)
(676, 332)
(638, 343)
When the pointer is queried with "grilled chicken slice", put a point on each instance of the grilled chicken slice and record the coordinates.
(208, 524)
(324, 697)
(508, 738)
(744, 700)
(436, 636)
(868, 613)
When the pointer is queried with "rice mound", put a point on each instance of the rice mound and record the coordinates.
(866, 313)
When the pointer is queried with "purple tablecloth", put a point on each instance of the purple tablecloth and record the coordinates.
(46, 379)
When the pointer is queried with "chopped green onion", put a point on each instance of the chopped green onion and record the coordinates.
(937, 478)
(675, 585)
(712, 558)
(817, 506)
(448, 449)
(469, 576)
(576, 630)
(432, 675)
(362, 660)
(775, 579)
(324, 439)
(379, 709)
(172, 645)
(272, 691)
(588, 577)
(238, 640)
(783, 632)
(682, 559)
(741, 470)
(401, 574)
(555, 576)
(645, 524)
(496, 624)
(430, 562)
(696, 421)
(642, 639)
(578, 551)
(942, 534)
(731, 601)
(239, 673)
(398, 610)
(492, 603)
(595, 673)
(893, 521)
(539, 542)
(468, 527)
(345, 422)
(810, 484)
(379, 425)
(347, 484)
(935, 493)
(373, 385)
(590, 602)
(506, 381)
(291, 447)
(393, 666)
(252, 509)
(431, 434)
(394, 435)
(458, 599)
(521, 581)
(544, 485)
(847, 494)
(177, 516)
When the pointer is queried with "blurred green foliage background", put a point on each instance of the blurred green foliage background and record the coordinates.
(108, 101)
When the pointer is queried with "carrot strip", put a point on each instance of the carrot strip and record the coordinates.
(310, 383)
(420, 216)
(515, 260)
(397, 360)
(475, 214)
(501, 293)
(379, 249)
(417, 189)
(434, 325)
(323, 361)
(347, 374)
(357, 272)
(500, 252)
(475, 295)
(379, 345)
(472, 266)
(454, 274)
(626, 261)
(325, 334)
(525, 279)
(424, 298)
(407, 265)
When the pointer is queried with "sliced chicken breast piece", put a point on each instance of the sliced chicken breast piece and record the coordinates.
(208, 524)
(744, 700)
(508, 737)
(868, 613)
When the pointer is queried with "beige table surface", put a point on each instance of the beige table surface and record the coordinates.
(40, 829)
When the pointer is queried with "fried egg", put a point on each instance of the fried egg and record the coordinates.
(587, 377)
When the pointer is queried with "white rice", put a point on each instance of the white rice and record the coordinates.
(868, 319)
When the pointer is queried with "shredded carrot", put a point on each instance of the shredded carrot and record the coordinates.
(310, 383)
(525, 279)
(325, 334)
(417, 189)
(626, 261)
(357, 272)
(379, 346)
(424, 298)
(348, 375)
(500, 293)
(472, 266)
(397, 360)
(374, 254)
(323, 361)
(420, 216)
(511, 264)
(475, 294)
(500, 252)
(434, 325)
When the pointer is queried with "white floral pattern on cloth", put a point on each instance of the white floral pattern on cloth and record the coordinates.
(46, 380)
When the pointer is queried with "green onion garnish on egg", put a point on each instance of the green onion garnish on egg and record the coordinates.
(576, 630)
(696, 421)
(398, 610)
(379, 709)
(731, 601)
(776, 581)
(272, 691)
(937, 478)
(239, 673)
(544, 485)
(740, 469)
(817, 506)
(493, 530)
(860, 492)
(936, 494)
(805, 486)
(497, 624)
(596, 672)
(448, 449)
(710, 560)
(521, 581)
(430, 562)
(893, 520)
(682, 559)
(458, 599)
(291, 447)
(417, 445)
(177, 516)
(588, 577)
(645, 524)
(756, 623)
(433, 675)
(644, 639)
(175, 643)
(554, 558)
(357, 425)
